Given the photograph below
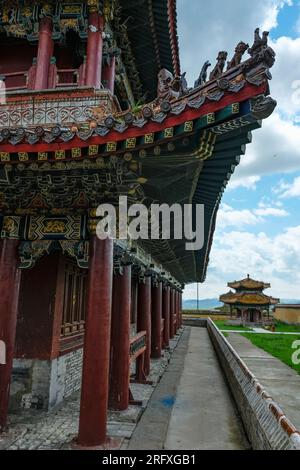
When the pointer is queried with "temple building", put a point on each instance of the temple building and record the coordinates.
(248, 304)
(94, 106)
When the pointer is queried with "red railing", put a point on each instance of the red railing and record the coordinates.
(137, 345)
(67, 77)
(15, 80)
(58, 78)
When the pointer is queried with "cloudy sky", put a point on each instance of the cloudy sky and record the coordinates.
(258, 226)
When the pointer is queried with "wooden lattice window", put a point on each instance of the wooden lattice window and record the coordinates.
(75, 281)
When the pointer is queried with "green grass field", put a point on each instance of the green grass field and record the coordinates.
(284, 327)
(279, 346)
(221, 324)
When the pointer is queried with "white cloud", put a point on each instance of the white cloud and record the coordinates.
(208, 27)
(267, 202)
(229, 217)
(204, 29)
(272, 9)
(259, 253)
(286, 190)
(275, 148)
(273, 211)
(286, 76)
(271, 259)
(248, 182)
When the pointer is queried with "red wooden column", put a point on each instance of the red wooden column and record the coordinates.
(180, 309)
(166, 315)
(177, 310)
(45, 51)
(94, 50)
(156, 323)
(134, 299)
(144, 318)
(9, 296)
(95, 376)
(120, 338)
(109, 74)
(172, 304)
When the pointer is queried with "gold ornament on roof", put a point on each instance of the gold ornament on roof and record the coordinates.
(93, 6)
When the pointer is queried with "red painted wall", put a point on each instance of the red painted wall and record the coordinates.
(64, 57)
(16, 56)
(37, 318)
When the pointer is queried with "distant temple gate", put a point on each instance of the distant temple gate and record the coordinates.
(249, 305)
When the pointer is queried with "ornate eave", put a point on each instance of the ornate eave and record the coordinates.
(182, 149)
(251, 299)
(209, 98)
(249, 283)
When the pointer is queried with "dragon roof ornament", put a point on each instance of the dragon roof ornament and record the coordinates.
(174, 97)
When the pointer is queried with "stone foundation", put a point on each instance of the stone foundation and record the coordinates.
(44, 384)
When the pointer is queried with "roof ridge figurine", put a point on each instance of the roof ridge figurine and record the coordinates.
(219, 68)
(168, 86)
(240, 50)
(261, 51)
(203, 75)
(259, 42)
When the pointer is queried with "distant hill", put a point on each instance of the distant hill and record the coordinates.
(204, 304)
(191, 304)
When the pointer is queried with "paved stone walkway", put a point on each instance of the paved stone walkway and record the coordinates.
(54, 430)
(151, 431)
(203, 415)
(281, 381)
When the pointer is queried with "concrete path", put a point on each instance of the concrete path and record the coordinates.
(150, 433)
(191, 407)
(203, 416)
(280, 380)
(262, 331)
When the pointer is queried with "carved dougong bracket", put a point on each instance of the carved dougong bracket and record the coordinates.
(42, 227)
(47, 10)
(31, 252)
(121, 260)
